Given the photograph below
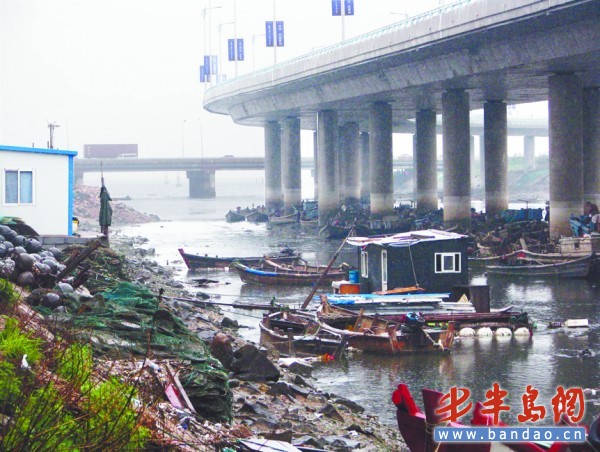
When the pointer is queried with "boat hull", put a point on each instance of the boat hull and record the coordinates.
(296, 335)
(525, 263)
(373, 334)
(195, 262)
(277, 277)
(575, 268)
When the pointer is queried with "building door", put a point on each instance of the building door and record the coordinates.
(384, 271)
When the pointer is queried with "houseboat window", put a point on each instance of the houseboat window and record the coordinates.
(18, 187)
(364, 264)
(447, 262)
(384, 270)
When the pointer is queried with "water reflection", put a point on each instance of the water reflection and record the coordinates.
(546, 360)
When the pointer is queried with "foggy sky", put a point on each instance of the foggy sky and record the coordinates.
(127, 71)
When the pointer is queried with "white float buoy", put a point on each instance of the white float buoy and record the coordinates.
(503, 332)
(523, 331)
(577, 323)
(466, 332)
(485, 332)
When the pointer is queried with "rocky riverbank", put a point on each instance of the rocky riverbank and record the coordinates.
(198, 385)
(269, 400)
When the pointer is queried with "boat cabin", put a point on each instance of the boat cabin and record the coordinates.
(434, 260)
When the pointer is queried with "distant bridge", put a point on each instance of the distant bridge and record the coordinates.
(200, 171)
(188, 164)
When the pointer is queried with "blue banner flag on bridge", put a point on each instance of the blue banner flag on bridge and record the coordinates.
(235, 49)
(202, 74)
(279, 33)
(207, 64)
(231, 49)
(269, 33)
(349, 7)
(240, 50)
(336, 7)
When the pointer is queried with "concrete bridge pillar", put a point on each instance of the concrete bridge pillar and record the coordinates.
(380, 159)
(482, 160)
(426, 161)
(290, 164)
(457, 169)
(273, 190)
(472, 159)
(352, 162)
(365, 174)
(591, 145)
(328, 173)
(342, 162)
(316, 164)
(496, 157)
(566, 151)
(201, 183)
(529, 153)
(414, 168)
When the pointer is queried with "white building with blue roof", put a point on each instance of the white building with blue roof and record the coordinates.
(37, 185)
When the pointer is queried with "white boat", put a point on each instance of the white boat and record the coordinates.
(386, 304)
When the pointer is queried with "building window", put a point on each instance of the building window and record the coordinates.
(447, 262)
(364, 264)
(18, 187)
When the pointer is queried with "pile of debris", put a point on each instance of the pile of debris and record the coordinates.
(87, 208)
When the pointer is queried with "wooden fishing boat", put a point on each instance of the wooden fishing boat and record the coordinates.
(284, 277)
(436, 312)
(373, 334)
(284, 219)
(298, 265)
(195, 261)
(416, 427)
(307, 222)
(298, 335)
(257, 217)
(339, 232)
(234, 217)
(524, 264)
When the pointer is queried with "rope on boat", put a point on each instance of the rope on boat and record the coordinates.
(412, 264)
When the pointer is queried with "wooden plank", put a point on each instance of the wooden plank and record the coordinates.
(179, 387)
(400, 290)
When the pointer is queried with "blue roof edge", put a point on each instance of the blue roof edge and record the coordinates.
(37, 150)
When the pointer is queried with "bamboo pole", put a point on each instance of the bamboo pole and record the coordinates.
(335, 256)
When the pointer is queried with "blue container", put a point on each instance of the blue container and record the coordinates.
(353, 276)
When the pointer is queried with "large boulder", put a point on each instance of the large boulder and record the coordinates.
(252, 365)
(220, 348)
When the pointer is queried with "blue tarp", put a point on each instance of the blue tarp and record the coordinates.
(512, 215)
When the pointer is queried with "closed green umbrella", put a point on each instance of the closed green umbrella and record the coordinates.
(105, 210)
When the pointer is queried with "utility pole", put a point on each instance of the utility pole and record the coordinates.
(51, 127)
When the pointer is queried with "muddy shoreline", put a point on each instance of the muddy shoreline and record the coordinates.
(291, 409)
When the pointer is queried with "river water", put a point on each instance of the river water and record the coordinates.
(545, 361)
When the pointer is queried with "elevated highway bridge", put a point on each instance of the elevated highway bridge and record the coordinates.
(474, 54)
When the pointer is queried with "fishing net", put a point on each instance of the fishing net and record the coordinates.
(129, 319)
